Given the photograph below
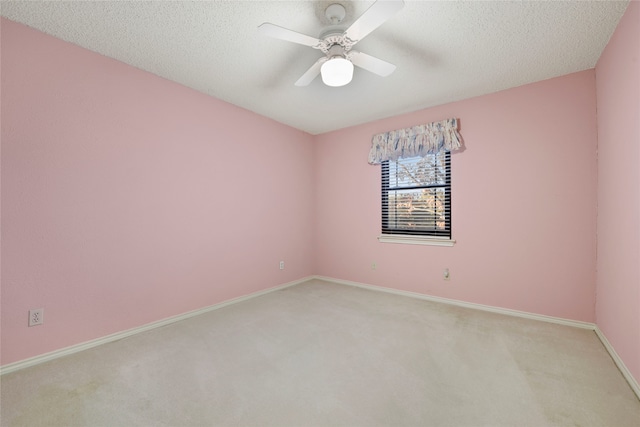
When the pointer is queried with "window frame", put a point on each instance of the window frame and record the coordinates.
(427, 237)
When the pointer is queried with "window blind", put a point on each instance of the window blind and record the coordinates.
(416, 195)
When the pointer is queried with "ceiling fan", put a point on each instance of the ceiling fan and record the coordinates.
(336, 67)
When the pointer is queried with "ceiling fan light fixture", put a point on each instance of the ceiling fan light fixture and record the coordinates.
(337, 71)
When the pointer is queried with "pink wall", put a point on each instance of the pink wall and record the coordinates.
(127, 198)
(524, 203)
(618, 266)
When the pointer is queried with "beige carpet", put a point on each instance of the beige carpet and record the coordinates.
(321, 354)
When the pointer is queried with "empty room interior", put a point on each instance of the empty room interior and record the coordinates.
(320, 213)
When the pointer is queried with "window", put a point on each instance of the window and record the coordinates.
(416, 196)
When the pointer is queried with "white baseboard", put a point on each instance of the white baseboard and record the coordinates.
(619, 363)
(492, 309)
(21, 364)
(584, 325)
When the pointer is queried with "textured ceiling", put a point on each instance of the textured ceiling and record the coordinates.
(444, 51)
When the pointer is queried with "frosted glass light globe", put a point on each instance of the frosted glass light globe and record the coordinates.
(337, 71)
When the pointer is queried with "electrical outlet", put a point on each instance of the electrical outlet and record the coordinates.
(36, 317)
(281, 265)
(446, 275)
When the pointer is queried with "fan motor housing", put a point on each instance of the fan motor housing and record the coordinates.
(334, 36)
(331, 31)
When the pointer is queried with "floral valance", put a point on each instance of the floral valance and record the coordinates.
(415, 141)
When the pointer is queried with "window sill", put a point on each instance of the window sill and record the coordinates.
(415, 240)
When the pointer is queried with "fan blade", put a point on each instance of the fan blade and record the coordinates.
(311, 73)
(372, 18)
(281, 33)
(370, 63)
